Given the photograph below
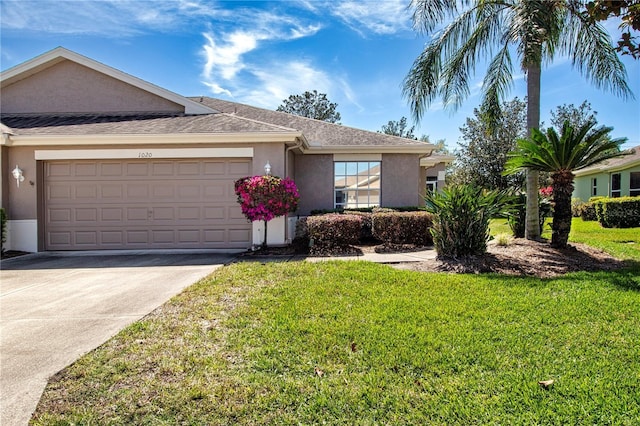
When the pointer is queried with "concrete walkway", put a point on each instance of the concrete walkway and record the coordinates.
(54, 308)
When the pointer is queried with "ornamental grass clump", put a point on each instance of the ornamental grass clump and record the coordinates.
(461, 218)
(266, 197)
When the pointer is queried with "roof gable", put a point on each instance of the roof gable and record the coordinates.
(73, 82)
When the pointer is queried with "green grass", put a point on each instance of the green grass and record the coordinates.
(621, 243)
(246, 345)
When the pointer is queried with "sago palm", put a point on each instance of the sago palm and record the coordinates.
(533, 31)
(561, 155)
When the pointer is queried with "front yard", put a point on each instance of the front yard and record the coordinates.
(360, 343)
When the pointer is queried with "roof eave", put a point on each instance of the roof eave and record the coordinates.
(368, 149)
(151, 139)
(606, 169)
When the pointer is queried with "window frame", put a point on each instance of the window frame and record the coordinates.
(432, 184)
(634, 191)
(594, 187)
(343, 199)
(616, 192)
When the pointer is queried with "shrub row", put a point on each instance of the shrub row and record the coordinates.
(333, 230)
(621, 212)
(403, 228)
(587, 211)
(350, 228)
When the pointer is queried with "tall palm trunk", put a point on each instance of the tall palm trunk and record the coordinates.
(562, 190)
(532, 230)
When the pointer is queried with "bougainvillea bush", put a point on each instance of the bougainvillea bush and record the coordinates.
(266, 197)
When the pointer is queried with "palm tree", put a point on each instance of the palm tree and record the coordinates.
(534, 30)
(575, 149)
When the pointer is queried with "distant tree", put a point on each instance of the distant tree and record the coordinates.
(576, 116)
(440, 144)
(399, 128)
(483, 152)
(311, 105)
(629, 12)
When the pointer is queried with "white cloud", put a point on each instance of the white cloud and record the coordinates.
(229, 70)
(383, 17)
(111, 18)
(280, 80)
(225, 58)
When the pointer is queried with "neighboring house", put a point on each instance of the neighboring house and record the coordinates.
(110, 161)
(618, 177)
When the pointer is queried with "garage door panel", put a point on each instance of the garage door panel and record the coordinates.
(86, 238)
(111, 192)
(86, 169)
(60, 216)
(142, 204)
(86, 214)
(111, 214)
(137, 169)
(114, 238)
(189, 169)
(239, 235)
(110, 169)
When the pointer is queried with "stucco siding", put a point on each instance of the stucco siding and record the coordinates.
(68, 87)
(583, 184)
(400, 183)
(314, 178)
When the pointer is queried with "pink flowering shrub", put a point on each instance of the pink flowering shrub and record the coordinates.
(546, 192)
(266, 197)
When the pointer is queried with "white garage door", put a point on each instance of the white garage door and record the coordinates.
(144, 204)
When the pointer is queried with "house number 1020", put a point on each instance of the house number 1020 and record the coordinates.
(145, 155)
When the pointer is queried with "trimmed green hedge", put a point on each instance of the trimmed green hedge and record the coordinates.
(621, 212)
(403, 228)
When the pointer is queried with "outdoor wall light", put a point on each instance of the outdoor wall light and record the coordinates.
(267, 168)
(17, 175)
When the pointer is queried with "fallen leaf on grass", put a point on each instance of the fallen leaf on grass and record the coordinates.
(319, 372)
(353, 347)
(546, 384)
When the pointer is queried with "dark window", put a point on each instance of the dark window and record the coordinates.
(615, 185)
(634, 185)
(594, 187)
(432, 183)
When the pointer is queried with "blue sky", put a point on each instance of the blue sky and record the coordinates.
(259, 53)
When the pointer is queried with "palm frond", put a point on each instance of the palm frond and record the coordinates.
(444, 67)
(592, 53)
(573, 149)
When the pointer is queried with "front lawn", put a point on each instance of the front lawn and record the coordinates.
(359, 343)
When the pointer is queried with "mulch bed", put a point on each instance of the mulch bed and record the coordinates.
(524, 258)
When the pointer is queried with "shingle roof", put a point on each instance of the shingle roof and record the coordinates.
(614, 164)
(318, 133)
(88, 124)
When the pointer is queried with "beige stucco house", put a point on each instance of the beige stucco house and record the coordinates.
(93, 158)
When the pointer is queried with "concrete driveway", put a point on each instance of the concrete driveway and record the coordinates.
(56, 307)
